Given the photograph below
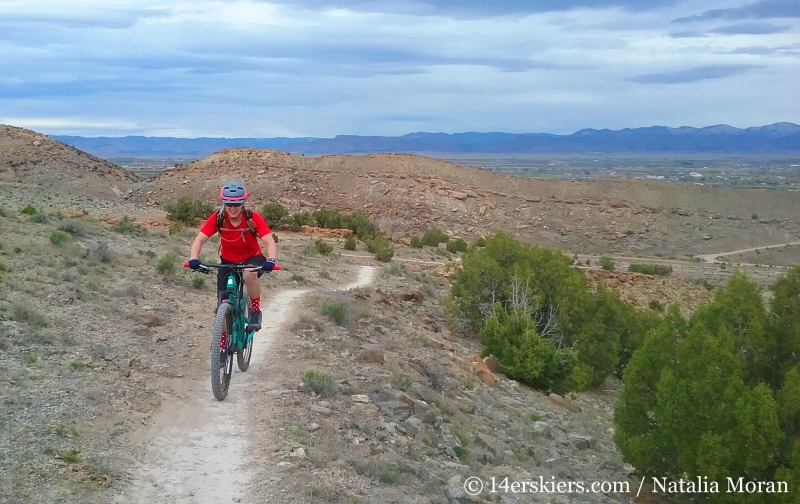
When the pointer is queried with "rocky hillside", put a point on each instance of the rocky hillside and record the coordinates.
(30, 157)
(408, 194)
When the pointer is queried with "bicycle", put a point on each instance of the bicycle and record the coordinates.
(231, 333)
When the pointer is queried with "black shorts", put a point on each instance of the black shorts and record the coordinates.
(222, 273)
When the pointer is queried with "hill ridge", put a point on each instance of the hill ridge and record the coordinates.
(30, 157)
(779, 137)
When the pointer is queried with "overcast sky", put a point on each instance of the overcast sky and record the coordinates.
(322, 68)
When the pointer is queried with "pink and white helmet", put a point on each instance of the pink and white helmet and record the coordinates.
(233, 192)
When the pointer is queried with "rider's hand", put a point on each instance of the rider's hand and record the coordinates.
(194, 264)
(268, 265)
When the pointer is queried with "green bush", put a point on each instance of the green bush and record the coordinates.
(651, 269)
(274, 214)
(127, 226)
(58, 238)
(319, 382)
(175, 229)
(457, 245)
(525, 356)
(335, 310)
(328, 219)
(382, 248)
(166, 264)
(718, 395)
(323, 247)
(188, 211)
(350, 243)
(300, 219)
(607, 264)
(433, 237)
(480, 242)
(28, 210)
(416, 242)
(532, 291)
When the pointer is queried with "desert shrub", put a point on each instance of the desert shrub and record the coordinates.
(527, 357)
(73, 227)
(433, 237)
(166, 264)
(655, 305)
(28, 210)
(319, 382)
(718, 395)
(327, 218)
(754, 216)
(607, 264)
(26, 314)
(651, 269)
(58, 238)
(323, 247)
(383, 249)
(39, 218)
(127, 226)
(175, 229)
(300, 219)
(188, 211)
(100, 251)
(457, 245)
(335, 310)
(350, 243)
(480, 242)
(532, 291)
(198, 282)
(416, 242)
(360, 224)
(274, 214)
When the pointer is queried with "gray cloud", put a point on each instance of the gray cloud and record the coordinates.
(693, 74)
(787, 50)
(477, 8)
(747, 28)
(87, 87)
(99, 18)
(760, 9)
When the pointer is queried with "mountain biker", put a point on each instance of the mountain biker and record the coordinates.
(238, 245)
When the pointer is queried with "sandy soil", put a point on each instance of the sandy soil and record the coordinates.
(198, 450)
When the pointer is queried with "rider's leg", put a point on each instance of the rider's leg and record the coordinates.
(222, 281)
(253, 285)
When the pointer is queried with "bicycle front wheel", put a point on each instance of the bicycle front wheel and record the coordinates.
(243, 354)
(221, 359)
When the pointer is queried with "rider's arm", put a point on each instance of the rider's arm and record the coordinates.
(265, 234)
(199, 241)
(269, 242)
(208, 229)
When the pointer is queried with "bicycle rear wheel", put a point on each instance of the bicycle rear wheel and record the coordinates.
(243, 354)
(221, 360)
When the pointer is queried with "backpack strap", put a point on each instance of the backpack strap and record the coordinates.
(249, 217)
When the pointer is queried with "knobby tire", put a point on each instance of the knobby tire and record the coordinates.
(221, 361)
(243, 354)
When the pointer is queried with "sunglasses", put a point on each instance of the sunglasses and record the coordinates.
(233, 205)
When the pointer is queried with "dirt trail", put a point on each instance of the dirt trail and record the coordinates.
(198, 449)
(712, 257)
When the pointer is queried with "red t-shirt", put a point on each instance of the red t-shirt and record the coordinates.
(237, 243)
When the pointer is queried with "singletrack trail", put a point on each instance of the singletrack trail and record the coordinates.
(198, 449)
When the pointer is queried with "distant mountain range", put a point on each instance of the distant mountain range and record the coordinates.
(778, 138)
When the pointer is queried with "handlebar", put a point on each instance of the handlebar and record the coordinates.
(232, 266)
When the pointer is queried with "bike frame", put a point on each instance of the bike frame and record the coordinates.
(234, 292)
